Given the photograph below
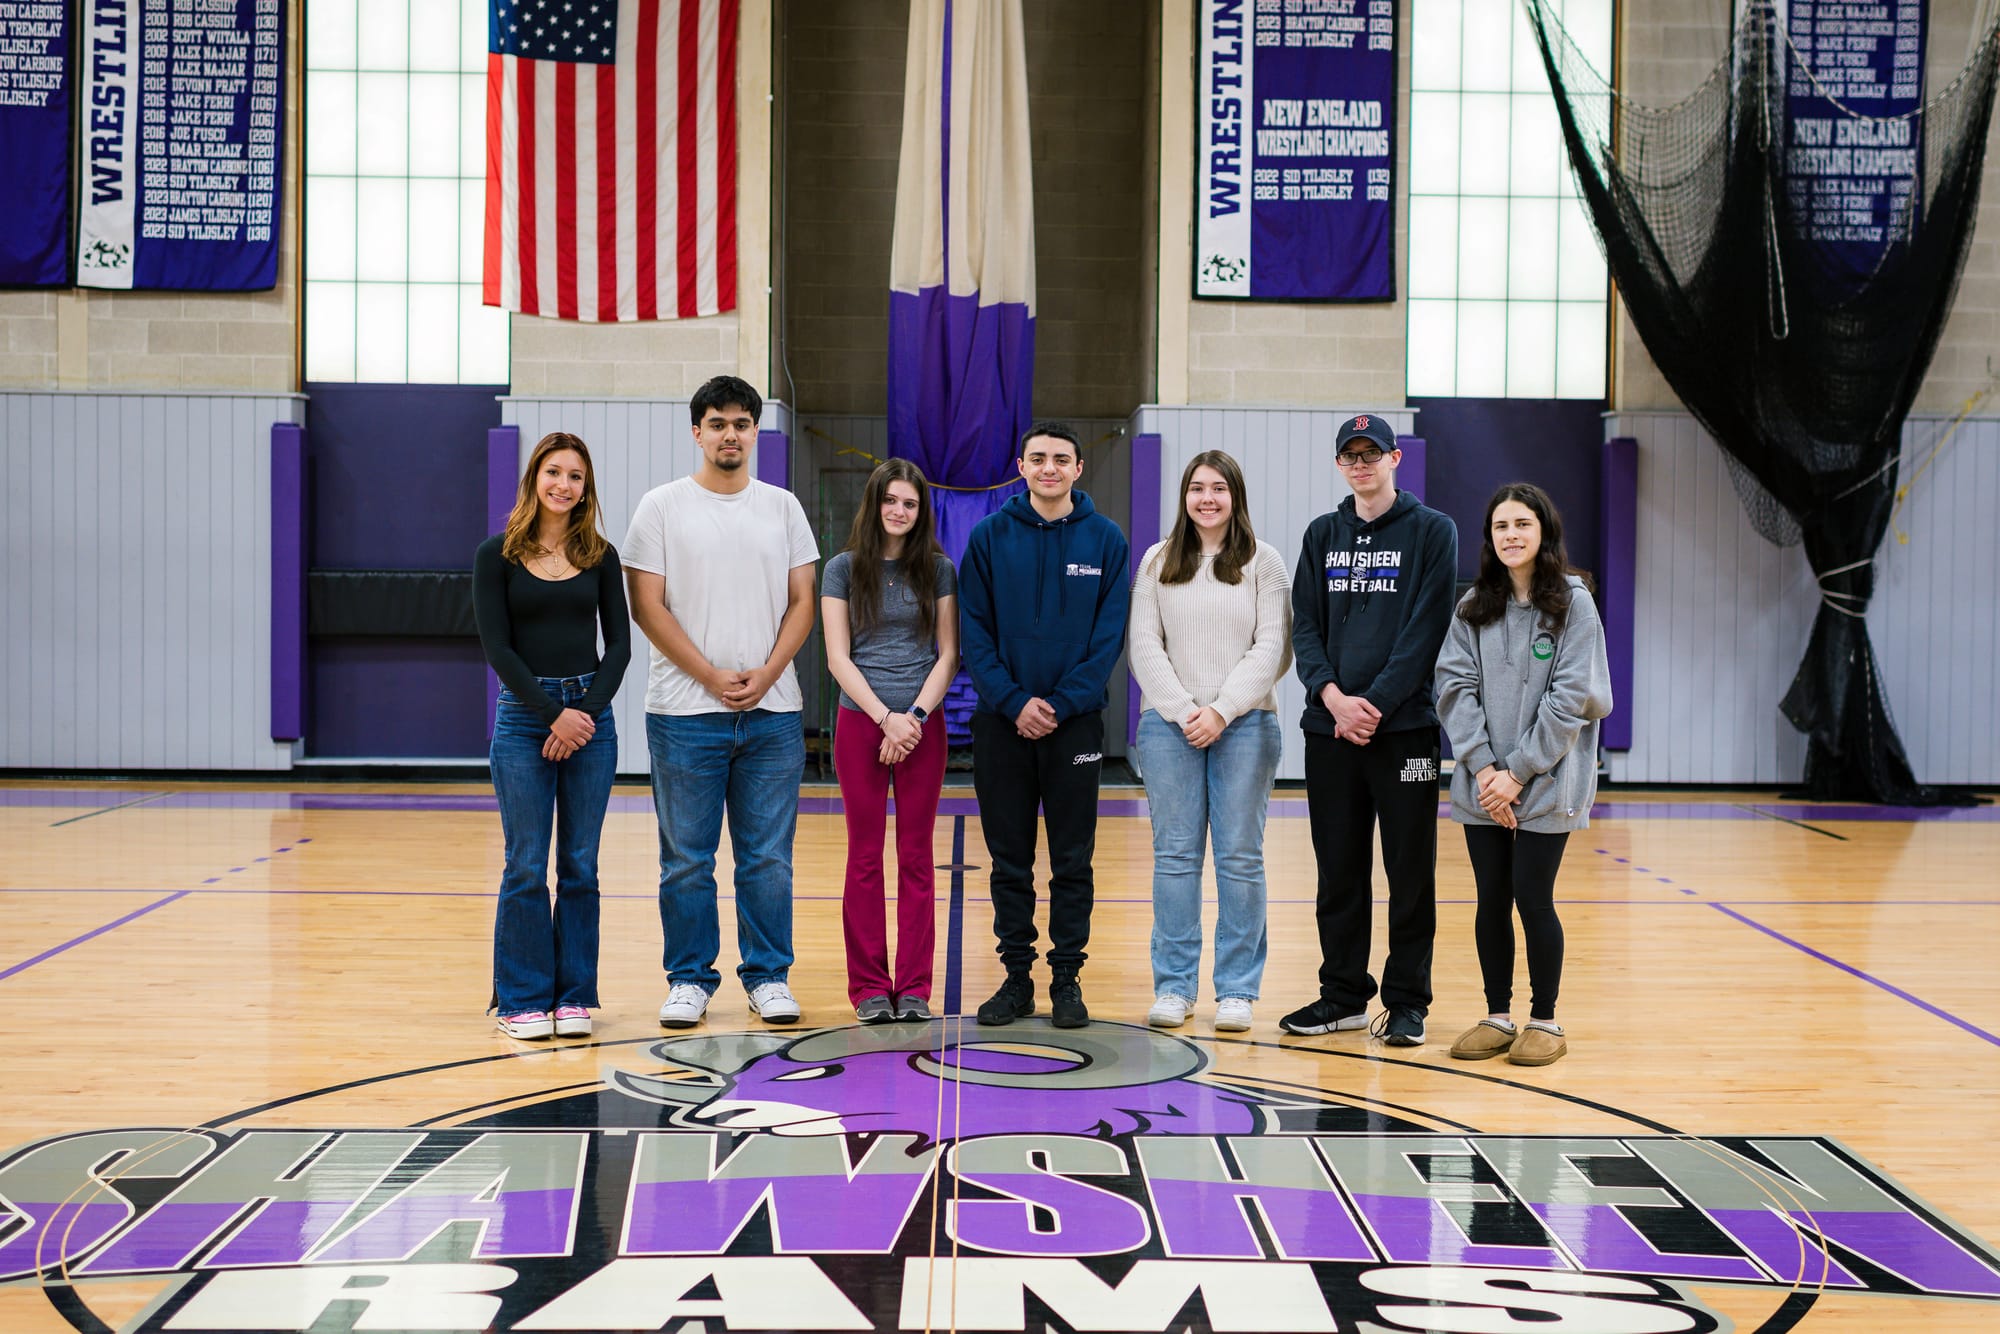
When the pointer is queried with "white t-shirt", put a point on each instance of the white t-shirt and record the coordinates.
(727, 561)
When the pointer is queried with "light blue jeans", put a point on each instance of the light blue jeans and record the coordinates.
(1194, 795)
(748, 765)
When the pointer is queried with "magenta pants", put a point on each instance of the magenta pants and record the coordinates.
(864, 796)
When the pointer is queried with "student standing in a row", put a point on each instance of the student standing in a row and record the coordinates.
(889, 606)
(720, 567)
(1044, 589)
(1371, 600)
(1523, 680)
(1211, 635)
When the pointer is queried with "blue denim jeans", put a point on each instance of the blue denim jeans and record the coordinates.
(542, 961)
(1222, 793)
(749, 766)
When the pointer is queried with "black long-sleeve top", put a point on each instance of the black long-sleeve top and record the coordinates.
(532, 627)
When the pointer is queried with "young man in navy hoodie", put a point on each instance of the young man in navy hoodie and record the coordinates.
(1042, 595)
(1371, 602)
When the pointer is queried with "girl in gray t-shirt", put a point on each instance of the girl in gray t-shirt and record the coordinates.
(889, 614)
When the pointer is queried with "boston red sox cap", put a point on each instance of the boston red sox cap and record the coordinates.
(1370, 425)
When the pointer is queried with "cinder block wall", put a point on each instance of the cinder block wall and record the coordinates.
(841, 94)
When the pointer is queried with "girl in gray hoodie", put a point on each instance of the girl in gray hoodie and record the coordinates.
(1521, 684)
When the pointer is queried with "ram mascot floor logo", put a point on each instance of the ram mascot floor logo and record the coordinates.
(942, 1176)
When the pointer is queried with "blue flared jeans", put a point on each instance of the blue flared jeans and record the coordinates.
(545, 959)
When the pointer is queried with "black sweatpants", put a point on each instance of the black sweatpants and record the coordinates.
(1394, 778)
(1517, 869)
(1012, 776)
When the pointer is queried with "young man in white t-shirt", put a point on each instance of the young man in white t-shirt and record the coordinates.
(720, 570)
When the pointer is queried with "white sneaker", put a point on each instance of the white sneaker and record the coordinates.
(686, 1004)
(1232, 1015)
(772, 1002)
(1169, 1011)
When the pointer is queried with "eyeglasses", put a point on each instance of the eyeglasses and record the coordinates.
(1354, 458)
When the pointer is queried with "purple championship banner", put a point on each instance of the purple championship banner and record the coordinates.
(35, 85)
(1294, 193)
(1855, 185)
(182, 117)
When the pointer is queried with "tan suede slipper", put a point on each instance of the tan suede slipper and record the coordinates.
(1484, 1039)
(1538, 1046)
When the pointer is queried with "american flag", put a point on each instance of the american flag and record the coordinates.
(611, 158)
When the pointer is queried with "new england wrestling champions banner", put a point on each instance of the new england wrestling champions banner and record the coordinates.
(1854, 81)
(34, 142)
(182, 112)
(1294, 195)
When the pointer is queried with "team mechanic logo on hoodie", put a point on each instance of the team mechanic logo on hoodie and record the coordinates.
(1075, 569)
(1363, 571)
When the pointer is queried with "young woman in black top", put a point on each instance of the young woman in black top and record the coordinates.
(542, 591)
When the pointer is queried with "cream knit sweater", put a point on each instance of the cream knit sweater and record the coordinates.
(1206, 643)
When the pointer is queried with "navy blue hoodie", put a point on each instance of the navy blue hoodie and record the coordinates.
(1371, 603)
(1043, 607)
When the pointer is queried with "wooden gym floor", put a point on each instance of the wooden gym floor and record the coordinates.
(1784, 1029)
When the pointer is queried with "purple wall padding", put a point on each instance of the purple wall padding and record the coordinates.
(1481, 444)
(1145, 531)
(1410, 472)
(503, 465)
(288, 581)
(1618, 581)
(774, 459)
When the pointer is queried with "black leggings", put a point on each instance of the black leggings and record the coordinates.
(1516, 869)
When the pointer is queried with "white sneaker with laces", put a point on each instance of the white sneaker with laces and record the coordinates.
(686, 1004)
(1169, 1011)
(772, 1002)
(1232, 1015)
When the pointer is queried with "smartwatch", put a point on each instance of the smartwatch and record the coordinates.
(920, 713)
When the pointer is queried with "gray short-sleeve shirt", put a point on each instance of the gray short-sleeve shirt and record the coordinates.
(893, 656)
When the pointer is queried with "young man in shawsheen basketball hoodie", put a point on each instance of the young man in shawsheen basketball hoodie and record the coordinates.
(1371, 602)
(1042, 594)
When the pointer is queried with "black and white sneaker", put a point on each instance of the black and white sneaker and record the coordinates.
(1323, 1016)
(1400, 1026)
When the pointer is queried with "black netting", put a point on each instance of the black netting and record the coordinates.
(1801, 366)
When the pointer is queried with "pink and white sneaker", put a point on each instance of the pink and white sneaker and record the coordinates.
(572, 1021)
(527, 1025)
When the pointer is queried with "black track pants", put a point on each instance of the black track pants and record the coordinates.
(1011, 776)
(1393, 779)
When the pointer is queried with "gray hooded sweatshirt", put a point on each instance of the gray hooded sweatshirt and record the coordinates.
(1513, 694)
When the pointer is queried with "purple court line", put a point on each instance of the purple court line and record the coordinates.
(69, 797)
(1869, 978)
(26, 964)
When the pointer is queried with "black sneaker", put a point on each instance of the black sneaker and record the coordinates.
(1323, 1016)
(1400, 1026)
(1014, 1000)
(1066, 1008)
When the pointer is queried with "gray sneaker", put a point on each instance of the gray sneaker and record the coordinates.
(913, 1009)
(874, 1010)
